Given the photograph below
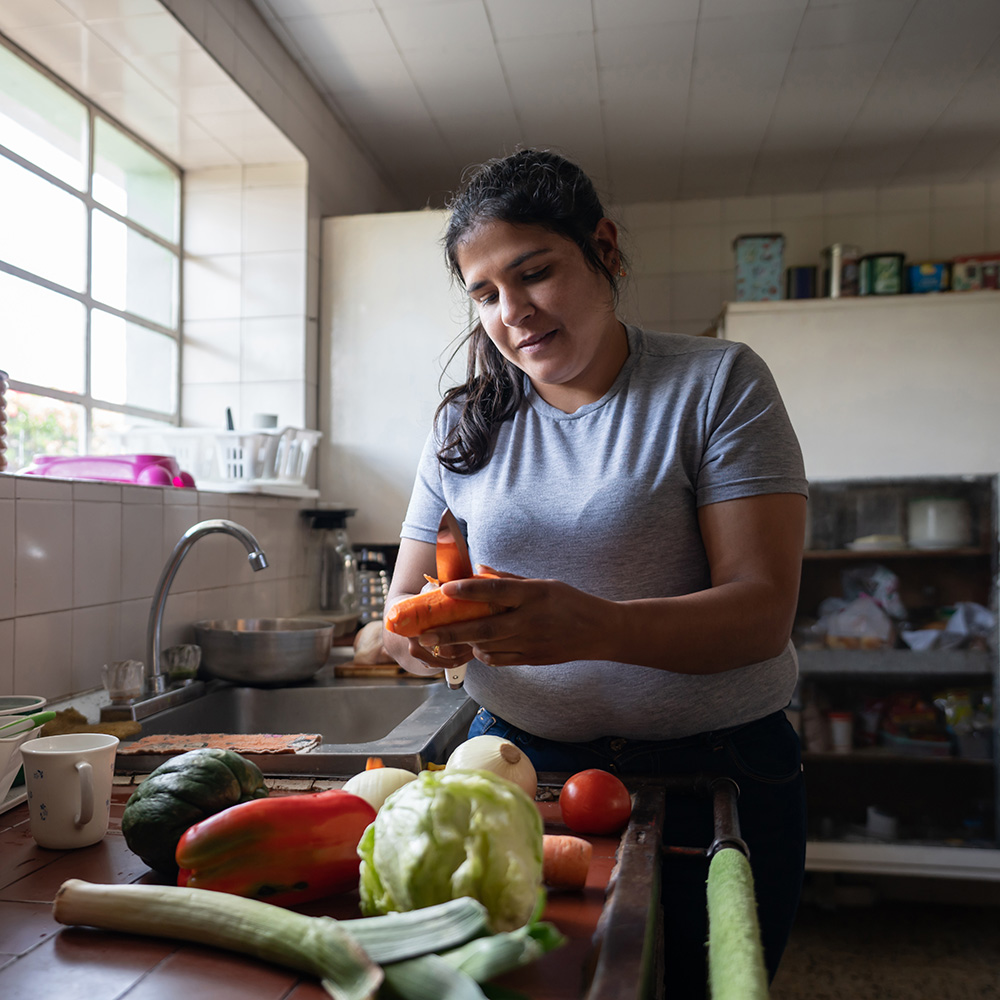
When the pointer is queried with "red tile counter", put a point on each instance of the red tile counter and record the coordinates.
(41, 959)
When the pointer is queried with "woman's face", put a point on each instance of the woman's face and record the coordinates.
(546, 309)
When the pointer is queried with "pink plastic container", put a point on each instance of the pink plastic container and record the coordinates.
(145, 470)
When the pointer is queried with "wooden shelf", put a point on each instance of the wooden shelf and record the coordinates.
(856, 555)
(896, 662)
(935, 860)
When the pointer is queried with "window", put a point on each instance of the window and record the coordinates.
(90, 249)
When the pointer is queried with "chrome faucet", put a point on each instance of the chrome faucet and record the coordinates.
(256, 558)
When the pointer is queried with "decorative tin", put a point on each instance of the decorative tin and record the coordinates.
(881, 274)
(929, 276)
(759, 266)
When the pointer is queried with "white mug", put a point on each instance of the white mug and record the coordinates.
(69, 778)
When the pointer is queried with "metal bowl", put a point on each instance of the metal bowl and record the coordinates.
(264, 651)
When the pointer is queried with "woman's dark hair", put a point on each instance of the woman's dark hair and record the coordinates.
(532, 187)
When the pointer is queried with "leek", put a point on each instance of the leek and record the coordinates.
(342, 954)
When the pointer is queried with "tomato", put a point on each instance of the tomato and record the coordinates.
(595, 801)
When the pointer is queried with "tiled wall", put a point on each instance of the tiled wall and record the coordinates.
(79, 562)
(682, 252)
(248, 342)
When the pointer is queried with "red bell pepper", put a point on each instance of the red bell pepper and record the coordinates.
(284, 849)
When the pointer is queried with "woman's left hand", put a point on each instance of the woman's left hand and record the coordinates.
(534, 622)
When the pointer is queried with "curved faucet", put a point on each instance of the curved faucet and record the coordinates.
(256, 558)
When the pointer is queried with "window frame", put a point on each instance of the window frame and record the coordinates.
(86, 399)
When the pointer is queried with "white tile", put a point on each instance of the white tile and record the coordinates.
(850, 202)
(215, 604)
(205, 405)
(6, 486)
(34, 13)
(274, 284)
(212, 286)
(133, 620)
(7, 558)
(286, 399)
(904, 232)
(274, 219)
(211, 351)
(42, 488)
(273, 349)
(7, 656)
(969, 195)
(911, 198)
(176, 521)
(856, 229)
(213, 180)
(695, 296)
(142, 494)
(216, 556)
(43, 654)
(180, 497)
(695, 249)
(803, 240)
(697, 212)
(95, 642)
(106, 492)
(179, 615)
(796, 206)
(44, 560)
(756, 210)
(957, 231)
(649, 251)
(993, 228)
(141, 549)
(97, 562)
(213, 222)
(652, 302)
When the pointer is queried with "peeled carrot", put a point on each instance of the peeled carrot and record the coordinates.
(565, 861)
(423, 612)
(373, 763)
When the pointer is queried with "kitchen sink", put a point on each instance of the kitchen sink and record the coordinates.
(407, 722)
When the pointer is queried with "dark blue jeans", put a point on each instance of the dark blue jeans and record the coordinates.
(763, 758)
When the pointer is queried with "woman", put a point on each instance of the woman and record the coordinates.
(642, 496)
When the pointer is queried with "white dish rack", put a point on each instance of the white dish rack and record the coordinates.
(259, 461)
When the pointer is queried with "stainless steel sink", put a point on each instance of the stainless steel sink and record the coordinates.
(407, 722)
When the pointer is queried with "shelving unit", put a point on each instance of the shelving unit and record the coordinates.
(947, 807)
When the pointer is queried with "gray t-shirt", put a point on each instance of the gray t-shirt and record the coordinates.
(606, 500)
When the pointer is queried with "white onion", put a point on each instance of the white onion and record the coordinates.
(378, 783)
(494, 753)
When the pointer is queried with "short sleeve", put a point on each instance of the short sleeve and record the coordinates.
(751, 447)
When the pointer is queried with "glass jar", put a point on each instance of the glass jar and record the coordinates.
(373, 584)
(335, 563)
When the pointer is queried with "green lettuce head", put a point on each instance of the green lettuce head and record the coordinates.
(451, 834)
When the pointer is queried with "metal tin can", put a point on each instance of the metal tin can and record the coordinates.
(928, 276)
(840, 274)
(881, 274)
(800, 283)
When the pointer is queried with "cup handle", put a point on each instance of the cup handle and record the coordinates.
(86, 773)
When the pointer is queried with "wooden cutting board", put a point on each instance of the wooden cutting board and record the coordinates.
(169, 743)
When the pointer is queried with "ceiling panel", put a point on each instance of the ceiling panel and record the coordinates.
(665, 98)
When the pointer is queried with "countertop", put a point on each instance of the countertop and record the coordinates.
(41, 959)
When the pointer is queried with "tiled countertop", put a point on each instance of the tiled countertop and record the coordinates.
(42, 960)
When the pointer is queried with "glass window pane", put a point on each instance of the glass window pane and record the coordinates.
(132, 272)
(109, 431)
(37, 425)
(42, 122)
(133, 182)
(132, 366)
(43, 229)
(42, 335)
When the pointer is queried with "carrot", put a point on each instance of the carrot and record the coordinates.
(423, 612)
(373, 763)
(565, 861)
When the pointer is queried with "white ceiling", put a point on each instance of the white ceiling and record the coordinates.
(662, 99)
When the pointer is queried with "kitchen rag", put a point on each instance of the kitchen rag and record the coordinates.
(735, 957)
